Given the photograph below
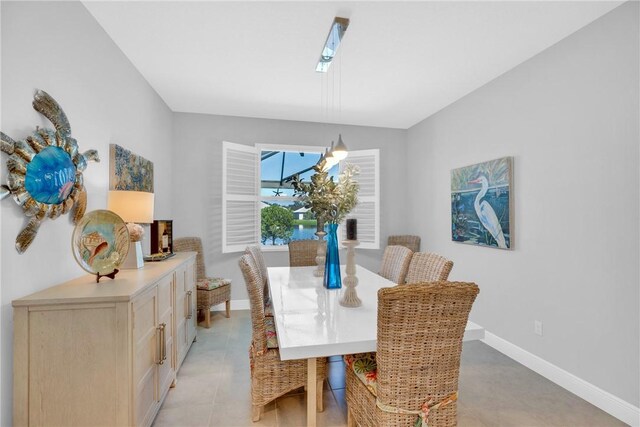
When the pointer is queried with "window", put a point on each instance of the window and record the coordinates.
(258, 201)
(282, 217)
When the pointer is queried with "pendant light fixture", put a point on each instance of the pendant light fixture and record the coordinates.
(335, 154)
(330, 159)
(336, 33)
(340, 150)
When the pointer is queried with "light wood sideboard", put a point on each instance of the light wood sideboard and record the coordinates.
(88, 354)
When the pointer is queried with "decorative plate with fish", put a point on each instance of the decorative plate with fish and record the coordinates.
(100, 242)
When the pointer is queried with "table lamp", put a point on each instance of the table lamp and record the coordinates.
(132, 207)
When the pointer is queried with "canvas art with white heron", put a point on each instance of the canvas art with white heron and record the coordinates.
(480, 204)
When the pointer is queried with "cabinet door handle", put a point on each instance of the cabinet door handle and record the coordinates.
(189, 304)
(159, 345)
(163, 343)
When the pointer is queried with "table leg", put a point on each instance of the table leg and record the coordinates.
(311, 392)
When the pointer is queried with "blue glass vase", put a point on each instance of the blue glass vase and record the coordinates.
(332, 278)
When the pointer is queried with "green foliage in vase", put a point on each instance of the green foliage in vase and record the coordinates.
(329, 201)
(277, 223)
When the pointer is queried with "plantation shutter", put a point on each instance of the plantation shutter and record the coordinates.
(367, 211)
(240, 226)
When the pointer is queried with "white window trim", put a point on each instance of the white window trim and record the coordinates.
(294, 148)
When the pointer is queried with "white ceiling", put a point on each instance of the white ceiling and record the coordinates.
(400, 61)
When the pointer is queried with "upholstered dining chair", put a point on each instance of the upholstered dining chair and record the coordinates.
(406, 240)
(302, 253)
(270, 376)
(414, 373)
(395, 263)
(428, 267)
(210, 290)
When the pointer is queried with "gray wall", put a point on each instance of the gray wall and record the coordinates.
(60, 48)
(198, 179)
(569, 117)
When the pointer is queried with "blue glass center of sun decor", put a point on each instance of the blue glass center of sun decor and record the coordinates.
(50, 176)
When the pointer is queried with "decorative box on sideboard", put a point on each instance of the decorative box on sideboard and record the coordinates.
(162, 236)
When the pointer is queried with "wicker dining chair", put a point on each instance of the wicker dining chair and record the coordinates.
(395, 263)
(428, 267)
(406, 240)
(258, 258)
(417, 363)
(302, 253)
(210, 290)
(270, 376)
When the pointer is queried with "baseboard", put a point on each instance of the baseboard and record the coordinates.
(622, 410)
(236, 304)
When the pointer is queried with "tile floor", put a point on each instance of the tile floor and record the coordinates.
(213, 389)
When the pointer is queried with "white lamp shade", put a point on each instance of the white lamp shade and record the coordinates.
(132, 206)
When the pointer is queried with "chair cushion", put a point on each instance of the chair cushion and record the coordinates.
(365, 367)
(270, 332)
(210, 283)
(268, 308)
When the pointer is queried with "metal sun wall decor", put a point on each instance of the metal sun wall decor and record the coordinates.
(45, 171)
(481, 204)
(129, 171)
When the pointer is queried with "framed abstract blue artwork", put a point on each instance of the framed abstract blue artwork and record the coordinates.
(481, 200)
(129, 171)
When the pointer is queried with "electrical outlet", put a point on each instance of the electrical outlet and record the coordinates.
(537, 327)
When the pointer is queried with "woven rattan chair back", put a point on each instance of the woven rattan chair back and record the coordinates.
(395, 263)
(192, 244)
(406, 240)
(255, 288)
(420, 330)
(428, 267)
(302, 253)
(258, 257)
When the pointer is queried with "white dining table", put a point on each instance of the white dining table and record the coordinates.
(310, 322)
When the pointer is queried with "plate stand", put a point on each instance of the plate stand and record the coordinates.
(111, 275)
